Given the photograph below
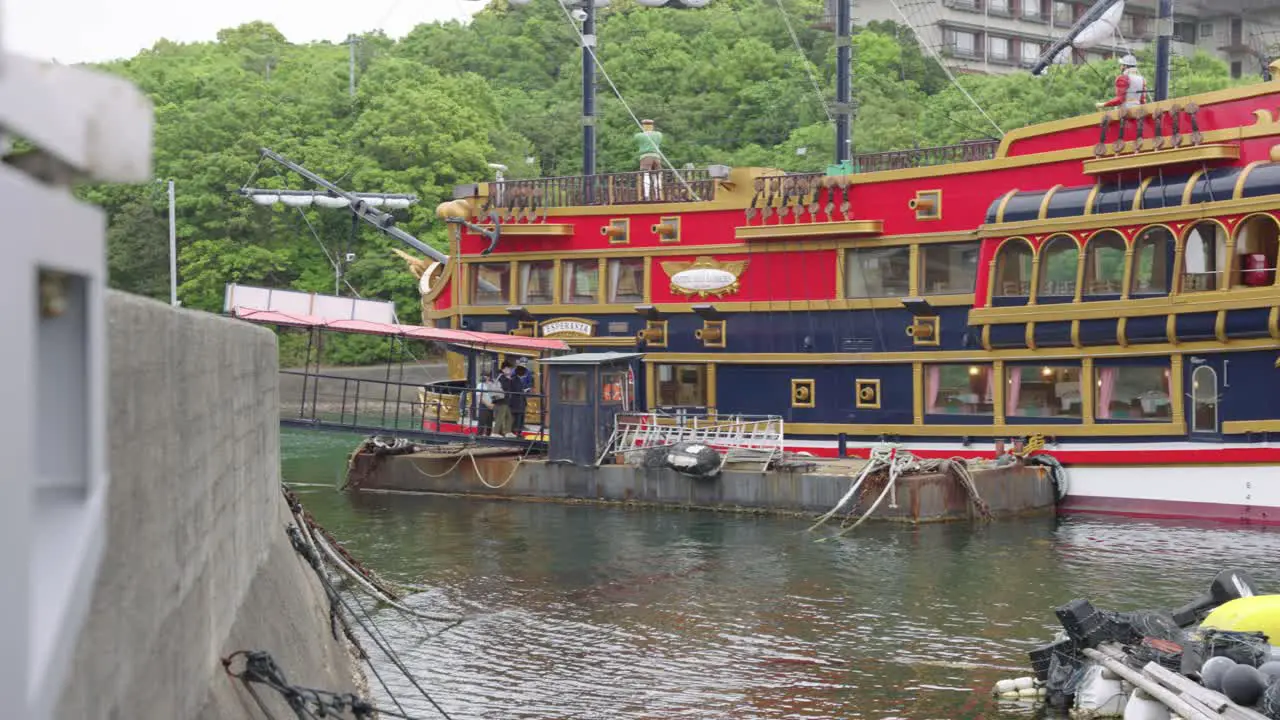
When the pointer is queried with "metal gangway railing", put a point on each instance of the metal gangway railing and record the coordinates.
(740, 438)
(312, 400)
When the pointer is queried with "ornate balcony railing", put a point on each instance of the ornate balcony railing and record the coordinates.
(628, 188)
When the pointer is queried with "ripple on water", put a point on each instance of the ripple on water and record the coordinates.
(581, 612)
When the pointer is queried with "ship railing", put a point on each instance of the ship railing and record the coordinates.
(510, 197)
(740, 438)
(372, 405)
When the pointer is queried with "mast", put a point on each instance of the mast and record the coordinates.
(844, 71)
(1090, 16)
(589, 89)
(1164, 35)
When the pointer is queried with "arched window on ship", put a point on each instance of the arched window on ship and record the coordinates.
(1257, 240)
(1104, 264)
(1152, 262)
(1204, 257)
(1059, 260)
(1013, 271)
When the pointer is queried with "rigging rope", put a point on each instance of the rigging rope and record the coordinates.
(951, 76)
(808, 66)
(596, 61)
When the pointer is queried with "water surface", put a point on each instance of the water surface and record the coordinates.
(589, 612)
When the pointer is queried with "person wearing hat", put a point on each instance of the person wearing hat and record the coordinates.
(1131, 88)
(649, 142)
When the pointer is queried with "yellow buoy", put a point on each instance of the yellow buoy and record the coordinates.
(1260, 613)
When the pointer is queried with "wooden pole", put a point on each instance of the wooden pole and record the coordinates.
(1152, 688)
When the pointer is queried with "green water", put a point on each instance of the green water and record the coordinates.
(588, 612)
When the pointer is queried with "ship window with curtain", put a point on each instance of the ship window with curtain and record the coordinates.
(877, 272)
(581, 281)
(1204, 256)
(1132, 393)
(626, 280)
(1152, 257)
(959, 389)
(1256, 244)
(536, 287)
(681, 385)
(948, 268)
(490, 284)
(1104, 264)
(1042, 392)
(1059, 259)
(1013, 269)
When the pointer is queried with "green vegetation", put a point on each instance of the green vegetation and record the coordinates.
(726, 85)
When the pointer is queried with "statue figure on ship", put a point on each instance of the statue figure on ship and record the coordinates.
(1131, 87)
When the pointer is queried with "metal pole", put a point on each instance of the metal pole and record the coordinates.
(351, 66)
(1164, 36)
(173, 252)
(844, 72)
(589, 92)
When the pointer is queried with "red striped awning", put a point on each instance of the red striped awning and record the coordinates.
(466, 338)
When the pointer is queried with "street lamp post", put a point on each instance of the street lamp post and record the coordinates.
(173, 251)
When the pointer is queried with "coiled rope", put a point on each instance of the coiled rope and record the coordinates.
(897, 461)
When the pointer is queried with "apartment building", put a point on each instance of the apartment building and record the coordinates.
(995, 36)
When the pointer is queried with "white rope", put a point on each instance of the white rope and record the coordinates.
(486, 483)
(808, 67)
(945, 69)
(596, 61)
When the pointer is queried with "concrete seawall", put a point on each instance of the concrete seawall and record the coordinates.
(197, 563)
(924, 497)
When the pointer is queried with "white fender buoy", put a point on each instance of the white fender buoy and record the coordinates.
(1025, 683)
(1006, 686)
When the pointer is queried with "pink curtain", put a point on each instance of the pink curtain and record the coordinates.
(931, 385)
(1106, 390)
(1013, 391)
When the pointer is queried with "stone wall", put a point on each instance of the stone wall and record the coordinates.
(197, 563)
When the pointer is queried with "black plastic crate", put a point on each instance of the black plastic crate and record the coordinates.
(1084, 624)
(1042, 656)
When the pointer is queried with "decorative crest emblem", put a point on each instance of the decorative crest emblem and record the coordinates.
(704, 276)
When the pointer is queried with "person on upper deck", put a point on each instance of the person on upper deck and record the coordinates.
(1131, 88)
(649, 142)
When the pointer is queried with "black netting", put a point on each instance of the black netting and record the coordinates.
(1246, 648)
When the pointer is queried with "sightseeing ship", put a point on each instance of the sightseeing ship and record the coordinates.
(1104, 283)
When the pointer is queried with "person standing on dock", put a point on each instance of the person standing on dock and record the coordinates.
(502, 419)
(520, 401)
(649, 142)
(487, 388)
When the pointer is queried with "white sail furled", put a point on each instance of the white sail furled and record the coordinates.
(1101, 30)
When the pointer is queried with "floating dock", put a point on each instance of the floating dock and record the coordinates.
(1010, 489)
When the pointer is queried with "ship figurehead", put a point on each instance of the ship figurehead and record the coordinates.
(705, 276)
(428, 272)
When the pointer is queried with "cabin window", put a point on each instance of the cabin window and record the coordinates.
(1132, 393)
(1058, 263)
(1203, 258)
(1013, 269)
(573, 387)
(536, 286)
(491, 284)
(1256, 246)
(877, 272)
(1104, 264)
(626, 280)
(958, 389)
(1151, 260)
(949, 268)
(681, 385)
(581, 281)
(1042, 391)
(614, 389)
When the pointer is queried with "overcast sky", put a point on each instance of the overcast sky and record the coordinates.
(93, 30)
